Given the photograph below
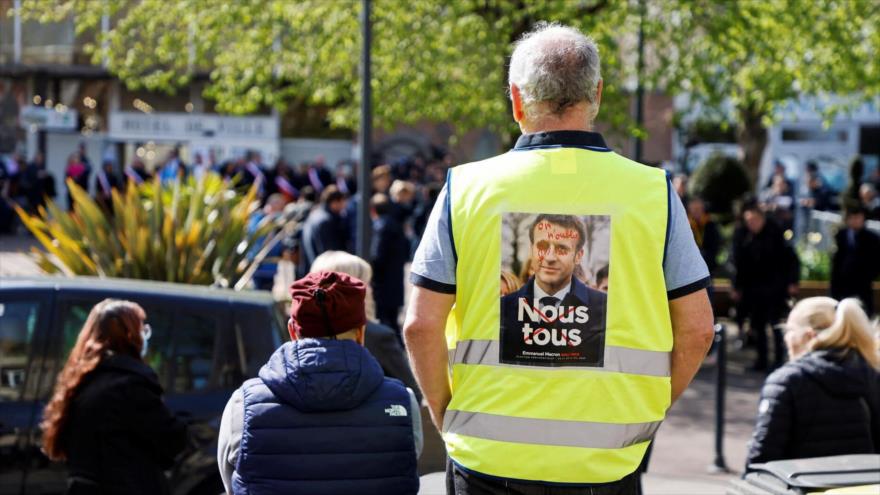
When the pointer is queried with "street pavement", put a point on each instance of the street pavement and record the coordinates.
(683, 449)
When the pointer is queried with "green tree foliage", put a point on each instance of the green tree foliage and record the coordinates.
(720, 181)
(756, 55)
(446, 60)
(195, 232)
(432, 59)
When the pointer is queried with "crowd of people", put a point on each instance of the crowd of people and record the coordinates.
(322, 416)
(762, 261)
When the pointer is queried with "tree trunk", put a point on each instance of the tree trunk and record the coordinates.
(752, 138)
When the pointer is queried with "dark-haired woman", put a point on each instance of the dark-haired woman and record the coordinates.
(106, 418)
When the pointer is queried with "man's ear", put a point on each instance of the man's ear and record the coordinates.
(598, 94)
(290, 329)
(579, 256)
(516, 103)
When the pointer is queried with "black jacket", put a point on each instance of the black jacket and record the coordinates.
(765, 264)
(855, 266)
(389, 252)
(322, 231)
(119, 433)
(825, 403)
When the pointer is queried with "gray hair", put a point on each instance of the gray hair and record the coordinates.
(556, 65)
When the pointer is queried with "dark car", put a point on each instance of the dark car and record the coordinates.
(205, 343)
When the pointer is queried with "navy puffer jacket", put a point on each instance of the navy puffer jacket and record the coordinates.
(825, 403)
(322, 419)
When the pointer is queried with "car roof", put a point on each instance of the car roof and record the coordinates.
(145, 287)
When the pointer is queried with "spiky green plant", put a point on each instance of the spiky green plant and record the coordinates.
(192, 232)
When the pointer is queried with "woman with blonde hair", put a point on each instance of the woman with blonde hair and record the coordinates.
(382, 342)
(826, 400)
(106, 418)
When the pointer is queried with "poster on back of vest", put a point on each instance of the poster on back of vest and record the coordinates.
(554, 288)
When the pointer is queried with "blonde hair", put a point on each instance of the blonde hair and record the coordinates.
(340, 261)
(510, 282)
(838, 325)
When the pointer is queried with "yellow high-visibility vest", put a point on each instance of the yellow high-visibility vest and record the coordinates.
(564, 424)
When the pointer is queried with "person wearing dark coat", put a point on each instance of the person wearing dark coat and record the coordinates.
(325, 228)
(106, 418)
(856, 263)
(826, 401)
(766, 275)
(321, 418)
(389, 252)
(38, 183)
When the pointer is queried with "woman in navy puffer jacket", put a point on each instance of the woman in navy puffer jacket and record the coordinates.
(826, 400)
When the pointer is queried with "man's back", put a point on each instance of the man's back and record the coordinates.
(321, 418)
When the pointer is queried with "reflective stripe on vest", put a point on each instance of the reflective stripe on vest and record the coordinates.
(619, 359)
(565, 424)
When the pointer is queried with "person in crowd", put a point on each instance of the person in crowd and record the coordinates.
(817, 195)
(253, 173)
(826, 400)
(345, 179)
(325, 228)
(264, 276)
(602, 279)
(318, 176)
(78, 171)
(7, 213)
(680, 185)
(870, 201)
(706, 233)
(766, 275)
(778, 171)
(504, 431)
(382, 179)
(38, 183)
(106, 419)
(856, 262)
(200, 167)
(321, 417)
(778, 201)
(174, 168)
(850, 195)
(402, 195)
(136, 172)
(105, 182)
(382, 342)
(283, 181)
(389, 252)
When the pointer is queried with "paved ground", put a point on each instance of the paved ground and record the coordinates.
(683, 449)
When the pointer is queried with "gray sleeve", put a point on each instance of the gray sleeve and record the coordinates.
(229, 439)
(433, 265)
(416, 422)
(683, 267)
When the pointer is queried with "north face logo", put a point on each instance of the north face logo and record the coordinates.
(395, 410)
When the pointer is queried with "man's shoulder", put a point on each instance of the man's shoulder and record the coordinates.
(585, 292)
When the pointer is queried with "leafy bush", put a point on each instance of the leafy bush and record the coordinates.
(815, 262)
(192, 232)
(720, 181)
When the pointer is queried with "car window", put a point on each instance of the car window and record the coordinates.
(189, 351)
(257, 329)
(18, 322)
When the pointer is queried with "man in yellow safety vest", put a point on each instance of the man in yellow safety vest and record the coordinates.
(603, 317)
